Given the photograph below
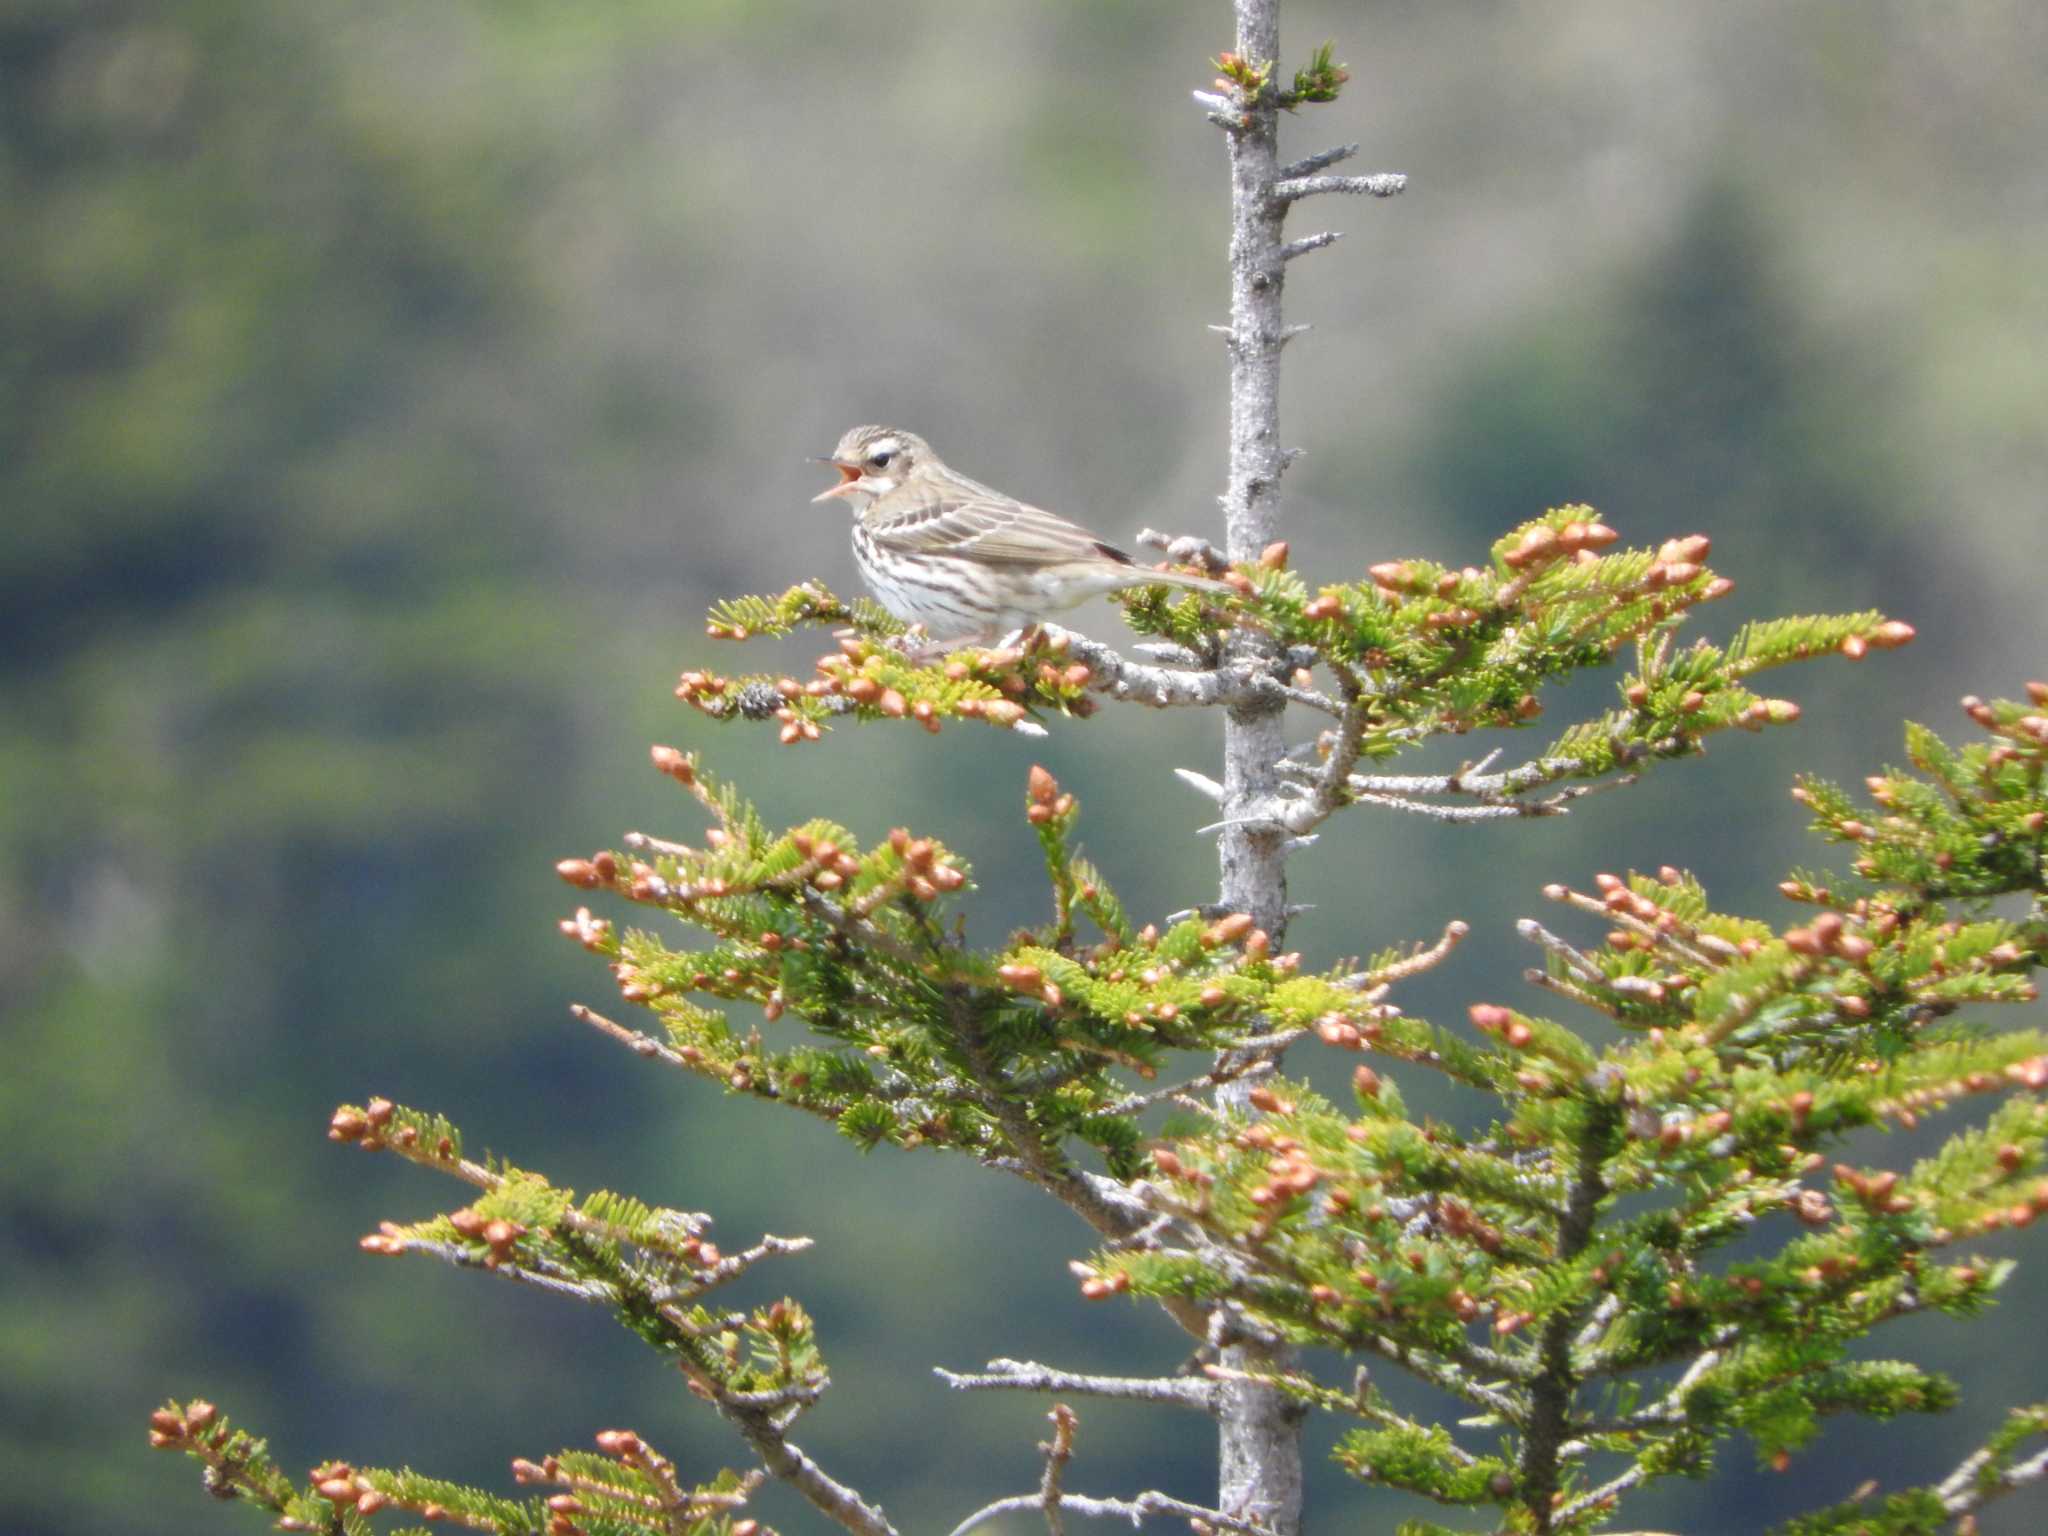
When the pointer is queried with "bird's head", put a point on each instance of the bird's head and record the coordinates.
(873, 461)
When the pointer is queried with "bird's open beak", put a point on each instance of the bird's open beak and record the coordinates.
(849, 477)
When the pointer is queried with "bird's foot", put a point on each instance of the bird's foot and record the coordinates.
(917, 647)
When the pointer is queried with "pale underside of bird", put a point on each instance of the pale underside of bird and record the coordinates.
(965, 561)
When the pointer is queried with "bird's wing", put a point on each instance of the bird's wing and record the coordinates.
(972, 521)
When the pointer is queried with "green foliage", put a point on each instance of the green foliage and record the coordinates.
(1934, 1511)
(914, 1038)
(1569, 1238)
(1548, 1265)
(1414, 652)
(628, 1489)
(871, 678)
(1573, 1232)
(1321, 79)
(1425, 1461)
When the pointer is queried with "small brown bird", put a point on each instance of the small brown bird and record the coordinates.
(965, 561)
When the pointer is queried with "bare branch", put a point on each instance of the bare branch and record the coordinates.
(1246, 681)
(1307, 243)
(1380, 184)
(1321, 160)
(1146, 1506)
(1029, 1376)
(830, 1497)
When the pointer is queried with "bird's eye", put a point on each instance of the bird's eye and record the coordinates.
(881, 460)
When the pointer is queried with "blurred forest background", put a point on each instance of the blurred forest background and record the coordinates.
(387, 386)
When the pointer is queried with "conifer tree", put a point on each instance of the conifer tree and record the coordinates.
(1560, 1268)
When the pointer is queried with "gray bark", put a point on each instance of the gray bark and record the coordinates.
(1259, 1433)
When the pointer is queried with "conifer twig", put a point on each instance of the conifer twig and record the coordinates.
(1058, 1452)
(1965, 1489)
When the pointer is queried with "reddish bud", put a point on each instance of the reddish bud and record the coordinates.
(1336, 1030)
(1488, 1018)
(1274, 556)
(579, 872)
(1228, 929)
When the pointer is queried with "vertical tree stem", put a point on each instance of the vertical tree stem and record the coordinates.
(1254, 863)
(1259, 1435)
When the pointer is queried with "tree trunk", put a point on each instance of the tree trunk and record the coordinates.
(1259, 1453)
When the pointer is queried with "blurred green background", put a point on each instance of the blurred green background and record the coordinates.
(387, 385)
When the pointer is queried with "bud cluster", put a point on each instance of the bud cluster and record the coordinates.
(872, 675)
